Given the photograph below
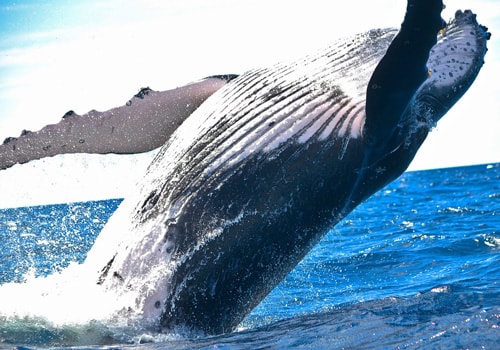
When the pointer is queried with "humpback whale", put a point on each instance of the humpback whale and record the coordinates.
(262, 165)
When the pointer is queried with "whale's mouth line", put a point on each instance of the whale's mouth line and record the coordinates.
(429, 109)
(434, 101)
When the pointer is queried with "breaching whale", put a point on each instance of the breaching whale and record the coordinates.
(270, 161)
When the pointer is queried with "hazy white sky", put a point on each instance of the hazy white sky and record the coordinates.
(61, 55)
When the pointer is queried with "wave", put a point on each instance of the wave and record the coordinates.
(444, 317)
(417, 243)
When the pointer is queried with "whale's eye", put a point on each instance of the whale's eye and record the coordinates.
(150, 202)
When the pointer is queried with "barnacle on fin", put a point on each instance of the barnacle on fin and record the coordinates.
(9, 139)
(68, 114)
(143, 92)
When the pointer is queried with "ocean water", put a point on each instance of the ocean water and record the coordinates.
(415, 266)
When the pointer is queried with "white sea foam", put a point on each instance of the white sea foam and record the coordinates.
(71, 178)
(67, 297)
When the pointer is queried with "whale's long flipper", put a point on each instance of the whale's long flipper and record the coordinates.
(401, 71)
(144, 123)
(454, 63)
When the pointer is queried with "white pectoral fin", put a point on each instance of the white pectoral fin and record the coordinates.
(144, 123)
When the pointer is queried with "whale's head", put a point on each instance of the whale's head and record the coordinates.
(454, 63)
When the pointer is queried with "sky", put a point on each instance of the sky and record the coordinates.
(59, 55)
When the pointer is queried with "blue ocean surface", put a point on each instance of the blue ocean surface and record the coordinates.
(416, 266)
